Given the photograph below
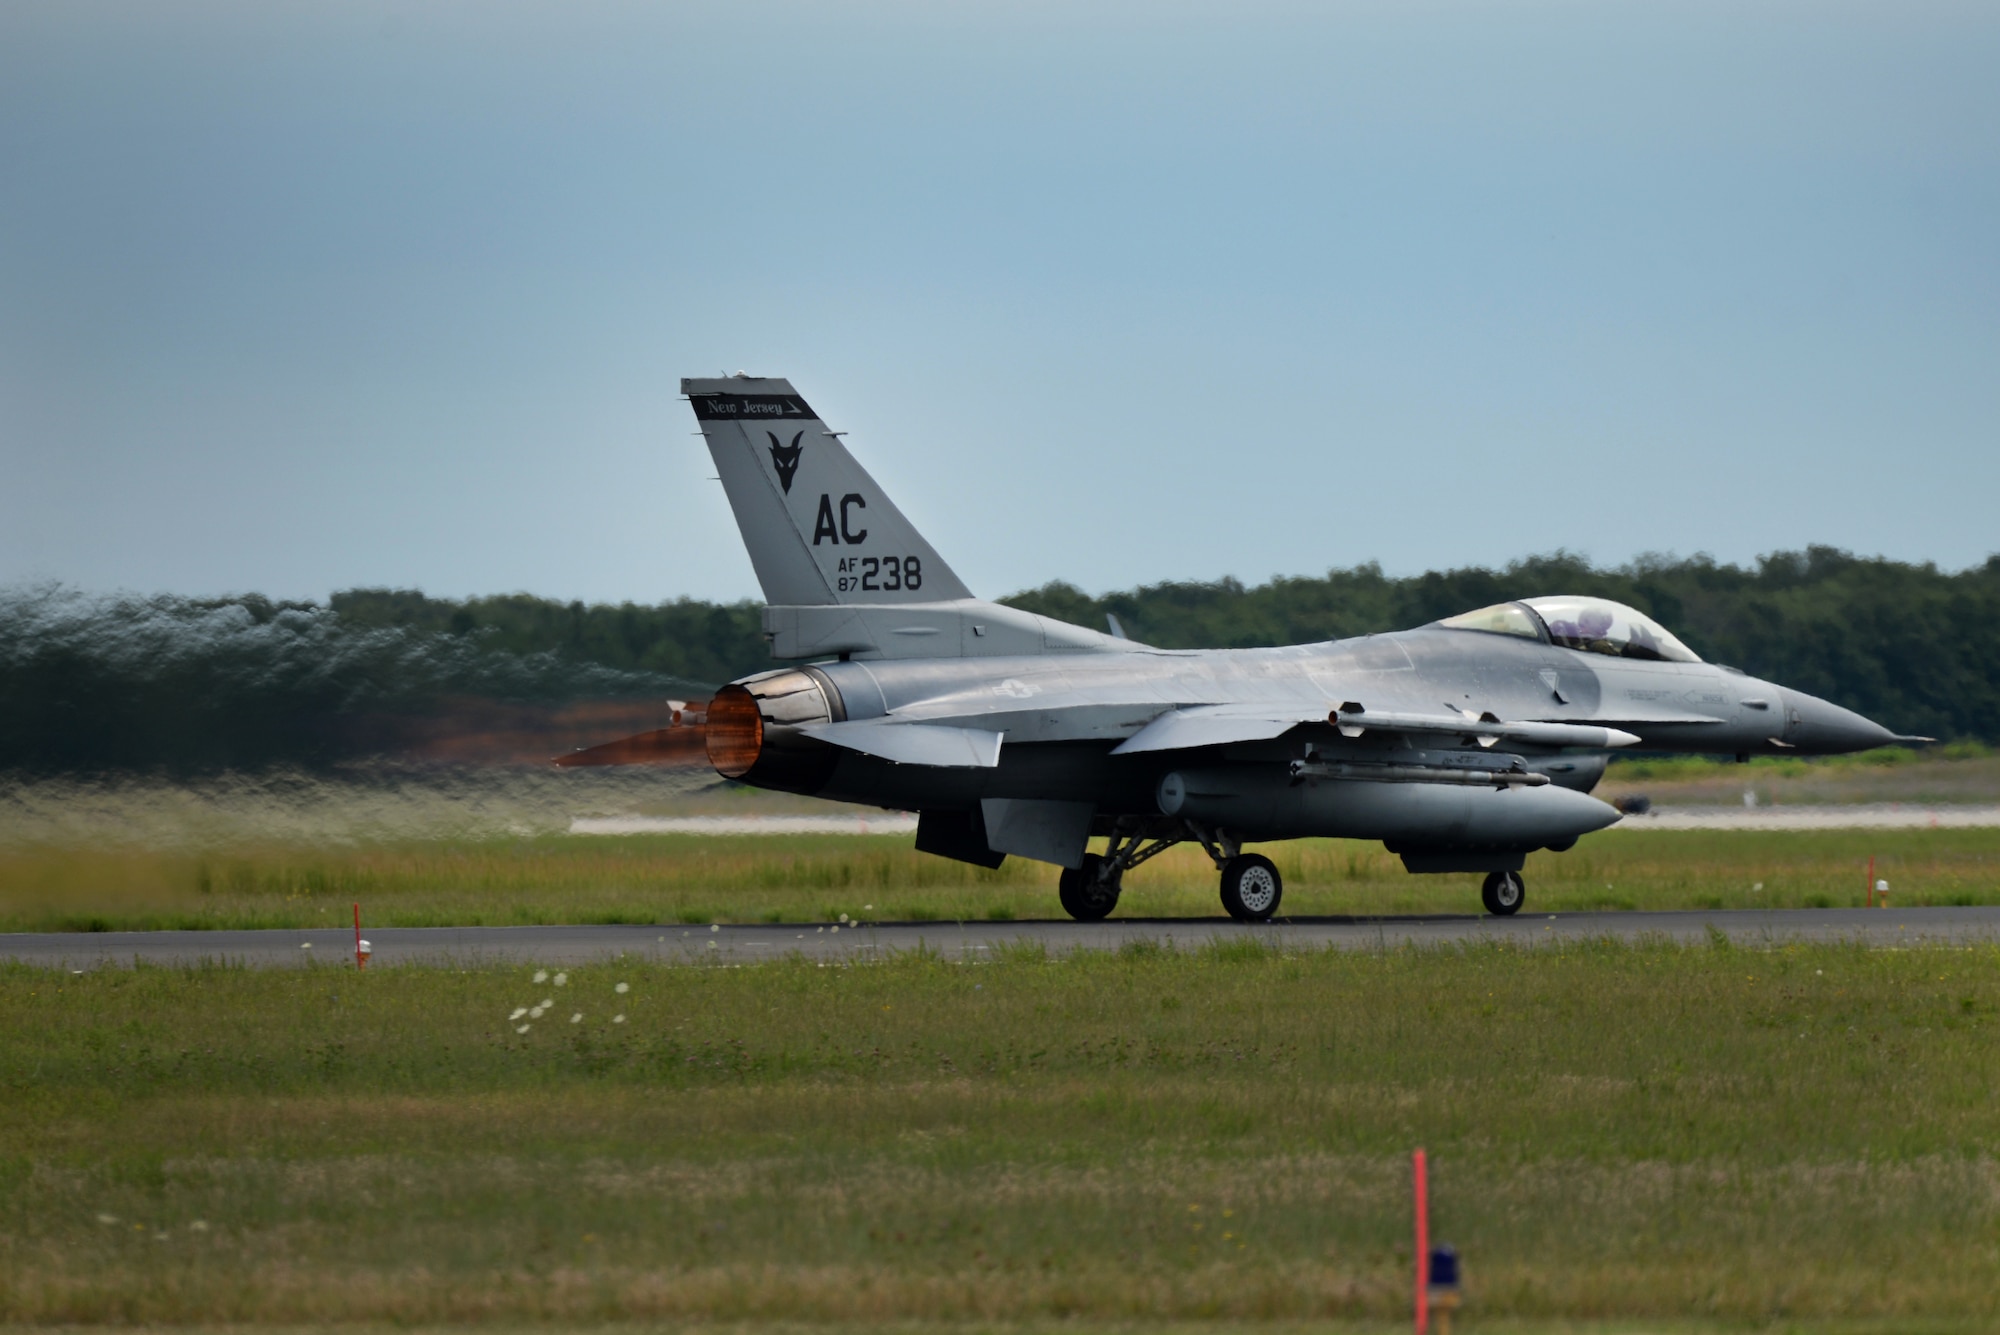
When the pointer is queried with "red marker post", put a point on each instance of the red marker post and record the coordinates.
(1420, 1181)
(360, 958)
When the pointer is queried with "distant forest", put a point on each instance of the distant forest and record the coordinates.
(92, 683)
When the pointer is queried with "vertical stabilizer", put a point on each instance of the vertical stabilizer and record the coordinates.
(818, 528)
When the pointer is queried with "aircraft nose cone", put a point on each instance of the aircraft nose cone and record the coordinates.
(1818, 727)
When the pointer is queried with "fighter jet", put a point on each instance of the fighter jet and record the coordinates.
(1462, 745)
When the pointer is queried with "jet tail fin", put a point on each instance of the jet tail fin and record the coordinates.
(844, 573)
(820, 531)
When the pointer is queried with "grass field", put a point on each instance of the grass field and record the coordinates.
(1955, 772)
(1959, 772)
(1623, 1139)
(689, 878)
(1619, 1135)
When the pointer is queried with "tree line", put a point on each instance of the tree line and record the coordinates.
(182, 684)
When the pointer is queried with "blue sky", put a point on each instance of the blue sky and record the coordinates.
(302, 297)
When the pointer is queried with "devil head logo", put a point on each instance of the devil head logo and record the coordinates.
(785, 458)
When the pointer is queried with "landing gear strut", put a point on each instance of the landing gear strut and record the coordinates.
(1503, 893)
(1089, 892)
(1251, 886)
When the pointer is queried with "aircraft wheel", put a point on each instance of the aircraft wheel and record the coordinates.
(1503, 893)
(1251, 887)
(1085, 897)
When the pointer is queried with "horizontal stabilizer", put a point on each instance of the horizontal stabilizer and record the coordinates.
(914, 743)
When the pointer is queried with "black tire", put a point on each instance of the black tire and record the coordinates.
(1251, 888)
(1503, 893)
(1084, 896)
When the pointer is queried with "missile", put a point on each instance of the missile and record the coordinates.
(1353, 720)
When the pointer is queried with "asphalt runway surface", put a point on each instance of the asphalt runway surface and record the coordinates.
(1752, 928)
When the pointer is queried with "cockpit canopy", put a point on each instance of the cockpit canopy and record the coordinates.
(1593, 625)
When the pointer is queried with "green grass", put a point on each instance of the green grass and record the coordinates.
(1960, 773)
(1678, 768)
(1072, 1325)
(1617, 1135)
(697, 879)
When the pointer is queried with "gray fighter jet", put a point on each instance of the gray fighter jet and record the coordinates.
(1462, 745)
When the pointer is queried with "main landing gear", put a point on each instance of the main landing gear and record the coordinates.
(1251, 886)
(1503, 893)
(1089, 892)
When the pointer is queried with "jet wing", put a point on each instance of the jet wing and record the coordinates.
(914, 743)
(1212, 725)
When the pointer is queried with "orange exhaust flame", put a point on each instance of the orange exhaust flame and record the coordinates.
(662, 746)
(682, 743)
(464, 730)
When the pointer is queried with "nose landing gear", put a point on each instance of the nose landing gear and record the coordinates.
(1251, 888)
(1503, 893)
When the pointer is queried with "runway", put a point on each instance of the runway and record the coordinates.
(832, 942)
